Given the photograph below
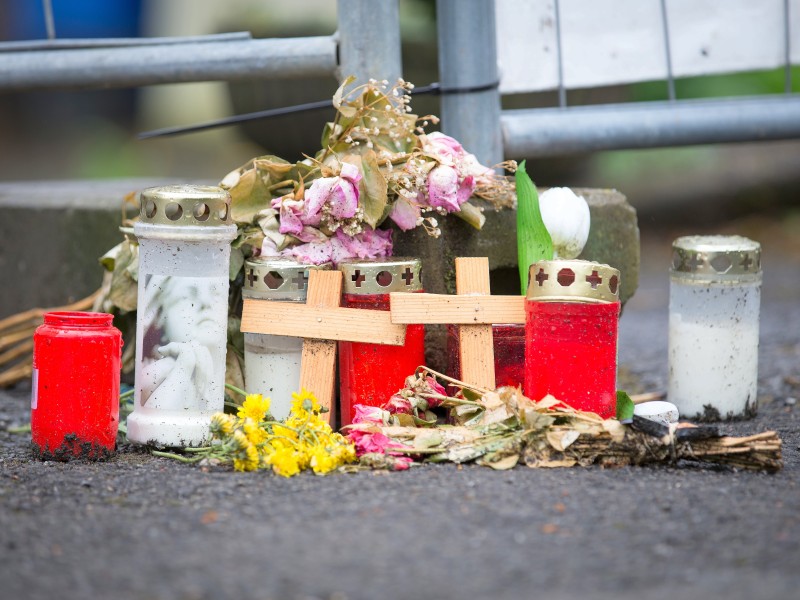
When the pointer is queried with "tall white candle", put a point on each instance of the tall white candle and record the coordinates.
(184, 235)
(715, 292)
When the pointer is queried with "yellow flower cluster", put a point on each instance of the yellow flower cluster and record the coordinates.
(252, 440)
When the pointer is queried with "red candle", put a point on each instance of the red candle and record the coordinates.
(371, 373)
(572, 314)
(508, 341)
(75, 388)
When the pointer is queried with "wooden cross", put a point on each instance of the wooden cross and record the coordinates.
(321, 322)
(472, 308)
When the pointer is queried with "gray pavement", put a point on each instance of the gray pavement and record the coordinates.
(140, 527)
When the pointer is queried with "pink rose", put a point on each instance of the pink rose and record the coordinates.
(367, 442)
(442, 146)
(405, 213)
(368, 414)
(399, 405)
(339, 193)
(446, 191)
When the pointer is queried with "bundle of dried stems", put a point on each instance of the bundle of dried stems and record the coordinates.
(16, 339)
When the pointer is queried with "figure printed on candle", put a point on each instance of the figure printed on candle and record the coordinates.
(180, 346)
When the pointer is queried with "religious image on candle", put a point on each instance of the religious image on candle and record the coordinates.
(184, 318)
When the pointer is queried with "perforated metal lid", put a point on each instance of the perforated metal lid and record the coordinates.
(381, 275)
(176, 205)
(727, 258)
(573, 281)
(277, 278)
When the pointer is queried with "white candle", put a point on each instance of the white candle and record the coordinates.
(184, 235)
(715, 292)
(272, 362)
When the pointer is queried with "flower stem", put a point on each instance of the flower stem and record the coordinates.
(20, 429)
(177, 457)
(236, 389)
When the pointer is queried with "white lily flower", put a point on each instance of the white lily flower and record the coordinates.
(566, 216)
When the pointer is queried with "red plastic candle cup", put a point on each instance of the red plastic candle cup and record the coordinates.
(371, 373)
(75, 388)
(508, 341)
(572, 316)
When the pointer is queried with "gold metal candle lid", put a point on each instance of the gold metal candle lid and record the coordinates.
(381, 275)
(716, 258)
(178, 205)
(573, 281)
(277, 278)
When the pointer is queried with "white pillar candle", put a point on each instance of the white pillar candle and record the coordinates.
(715, 295)
(184, 235)
(272, 362)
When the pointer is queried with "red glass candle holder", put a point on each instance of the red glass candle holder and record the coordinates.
(371, 373)
(508, 341)
(572, 315)
(75, 389)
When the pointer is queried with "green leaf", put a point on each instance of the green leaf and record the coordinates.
(625, 406)
(533, 240)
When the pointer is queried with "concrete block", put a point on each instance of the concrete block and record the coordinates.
(51, 235)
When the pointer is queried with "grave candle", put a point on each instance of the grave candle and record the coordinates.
(572, 313)
(371, 373)
(75, 387)
(184, 235)
(508, 342)
(714, 300)
(272, 362)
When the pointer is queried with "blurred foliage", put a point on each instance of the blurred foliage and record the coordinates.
(716, 86)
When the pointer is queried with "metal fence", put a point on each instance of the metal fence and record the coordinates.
(367, 44)
(535, 34)
(367, 51)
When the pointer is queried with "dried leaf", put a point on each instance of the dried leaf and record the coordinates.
(248, 197)
(429, 439)
(472, 215)
(548, 402)
(561, 440)
(615, 429)
(503, 464)
(537, 421)
(491, 401)
(374, 189)
(236, 263)
(339, 94)
(124, 287)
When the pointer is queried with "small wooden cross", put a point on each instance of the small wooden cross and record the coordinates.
(321, 322)
(472, 308)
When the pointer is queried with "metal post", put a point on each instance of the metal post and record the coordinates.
(369, 40)
(468, 58)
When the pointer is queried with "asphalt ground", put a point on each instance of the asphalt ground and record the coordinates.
(140, 527)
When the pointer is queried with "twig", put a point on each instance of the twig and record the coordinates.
(648, 397)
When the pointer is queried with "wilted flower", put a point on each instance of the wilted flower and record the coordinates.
(399, 405)
(368, 414)
(446, 190)
(370, 243)
(566, 216)
(340, 194)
